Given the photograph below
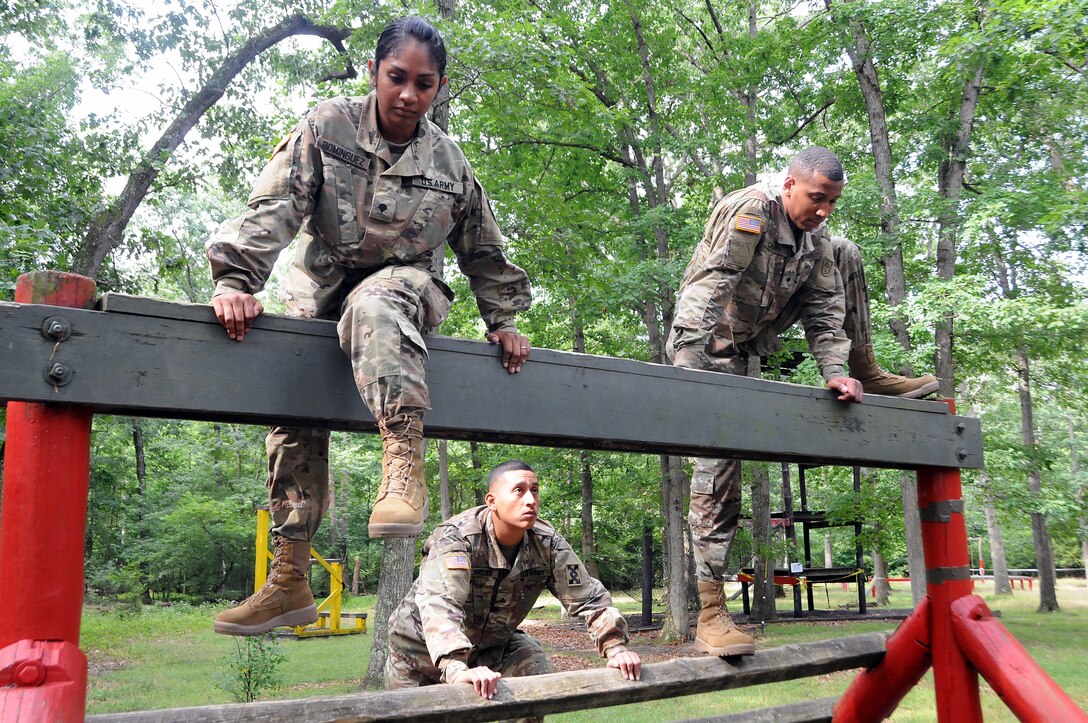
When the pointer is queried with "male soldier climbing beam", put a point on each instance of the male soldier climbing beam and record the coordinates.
(482, 572)
(765, 262)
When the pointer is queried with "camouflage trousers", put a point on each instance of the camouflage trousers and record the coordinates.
(382, 321)
(716, 486)
(408, 664)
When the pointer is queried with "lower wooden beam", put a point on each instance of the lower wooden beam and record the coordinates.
(809, 711)
(544, 694)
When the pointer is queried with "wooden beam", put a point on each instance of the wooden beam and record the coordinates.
(820, 710)
(147, 358)
(544, 694)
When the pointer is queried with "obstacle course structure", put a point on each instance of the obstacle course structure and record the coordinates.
(64, 361)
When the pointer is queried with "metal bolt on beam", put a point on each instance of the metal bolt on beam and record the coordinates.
(57, 328)
(59, 374)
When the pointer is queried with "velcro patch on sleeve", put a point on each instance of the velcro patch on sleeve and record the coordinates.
(751, 224)
(456, 561)
(281, 145)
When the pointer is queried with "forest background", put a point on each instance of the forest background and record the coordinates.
(603, 133)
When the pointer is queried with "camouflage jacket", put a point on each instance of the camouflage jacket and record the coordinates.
(743, 273)
(333, 179)
(467, 597)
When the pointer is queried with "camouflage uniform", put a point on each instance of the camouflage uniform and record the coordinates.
(750, 279)
(371, 230)
(465, 607)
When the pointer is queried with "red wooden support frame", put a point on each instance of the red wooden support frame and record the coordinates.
(43, 674)
(953, 631)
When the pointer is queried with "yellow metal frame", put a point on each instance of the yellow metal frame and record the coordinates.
(330, 620)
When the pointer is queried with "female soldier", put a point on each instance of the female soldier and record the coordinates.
(377, 191)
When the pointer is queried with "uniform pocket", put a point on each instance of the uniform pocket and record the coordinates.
(436, 300)
(340, 210)
(429, 226)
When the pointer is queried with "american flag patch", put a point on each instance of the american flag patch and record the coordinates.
(751, 224)
(456, 561)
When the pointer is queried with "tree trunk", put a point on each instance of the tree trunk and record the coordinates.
(479, 487)
(950, 185)
(107, 229)
(880, 578)
(912, 525)
(762, 534)
(444, 479)
(141, 490)
(751, 95)
(589, 542)
(1078, 494)
(675, 626)
(355, 576)
(892, 258)
(393, 582)
(829, 557)
(1044, 553)
(762, 542)
(998, 562)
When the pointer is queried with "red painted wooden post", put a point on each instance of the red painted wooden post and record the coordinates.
(876, 692)
(1013, 674)
(43, 674)
(948, 578)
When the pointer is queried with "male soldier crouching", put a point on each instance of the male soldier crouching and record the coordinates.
(481, 574)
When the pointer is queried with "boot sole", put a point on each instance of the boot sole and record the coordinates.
(922, 391)
(398, 529)
(291, 618)
(393, 529)
(725, 651)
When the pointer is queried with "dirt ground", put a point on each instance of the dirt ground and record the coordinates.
(569, 646)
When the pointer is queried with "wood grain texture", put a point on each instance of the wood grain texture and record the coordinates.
(156, 359)
(544, 694)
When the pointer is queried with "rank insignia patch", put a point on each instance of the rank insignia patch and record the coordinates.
(456, 561)
(751, 224)
(573, 575)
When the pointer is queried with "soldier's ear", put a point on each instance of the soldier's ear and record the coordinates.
(788, 184)
(370, 69)
(489, 500)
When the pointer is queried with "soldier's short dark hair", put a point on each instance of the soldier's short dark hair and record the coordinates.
(512, 465)
(817, 160)
(397, 32)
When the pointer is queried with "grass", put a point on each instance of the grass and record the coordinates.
(169, 657)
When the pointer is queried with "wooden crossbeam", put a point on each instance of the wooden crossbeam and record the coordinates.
(809, 711)
(148, 358)
(543, 694)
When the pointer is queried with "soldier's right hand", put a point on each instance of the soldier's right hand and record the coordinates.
(236, 313)
(483, 680)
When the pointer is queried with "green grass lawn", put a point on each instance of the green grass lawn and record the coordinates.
(169, 657)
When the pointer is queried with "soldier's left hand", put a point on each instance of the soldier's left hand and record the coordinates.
(483, 680)
(628, 663)
(849, 388)
(515, 348)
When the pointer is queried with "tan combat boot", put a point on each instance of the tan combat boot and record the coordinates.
(284, 599)
(716, 634)
(875, 380)
(401, 506)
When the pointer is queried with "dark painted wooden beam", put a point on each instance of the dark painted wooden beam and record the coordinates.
(142, 357)
(544, 694)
